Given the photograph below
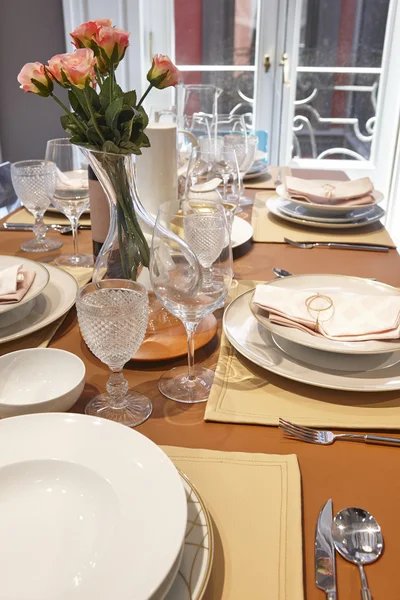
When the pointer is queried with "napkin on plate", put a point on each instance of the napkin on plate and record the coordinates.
(357, 192)
(14, 284)
(336, 316)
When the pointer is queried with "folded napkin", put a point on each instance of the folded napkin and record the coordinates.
(336, 316)
(14, 284)
(357, 192)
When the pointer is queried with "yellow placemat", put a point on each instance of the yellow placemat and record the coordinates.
(254, 501)
(269, 228)
(51, 218)
(242, 392)
(43, 337)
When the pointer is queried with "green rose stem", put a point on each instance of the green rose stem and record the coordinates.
(76, 121)
(92, 115)
(144, 95)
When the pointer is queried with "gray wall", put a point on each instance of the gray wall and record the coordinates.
(30, 30)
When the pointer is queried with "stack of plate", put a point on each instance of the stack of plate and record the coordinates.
(50, 296)
(324, 216)
(352, 366)
(93, 510)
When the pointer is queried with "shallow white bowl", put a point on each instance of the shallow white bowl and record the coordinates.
(39, 380)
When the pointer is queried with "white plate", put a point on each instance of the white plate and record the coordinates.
(326, 284)
(257, 174)
(303, 212)
(56, 299)
(190, 581)
(53, 209)
(39, 283)
(375, 215)
(256, 343)
(242, 232)
(321, 209)
(90, 510)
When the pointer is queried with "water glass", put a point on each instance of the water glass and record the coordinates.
(214, 175)
(245, 146)
(71, 195)
(34, 183)
(113, 317)
(191, 272)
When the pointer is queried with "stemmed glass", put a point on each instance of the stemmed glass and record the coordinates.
(34, 183)
(190, 237)
(214, 175)
(113, 317)
(71, 196)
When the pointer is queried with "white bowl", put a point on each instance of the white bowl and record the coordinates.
(39, 380)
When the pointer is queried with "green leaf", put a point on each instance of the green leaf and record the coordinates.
(113, 111)
(130, 98)
(145, 118)
(93, 97)
(80, 141)
(130, 147)
(104, 95)
(93, 135)
(75, 104)
(126, 130)
(80, 97)
(43, 89)
(142, 141)
(110, 147)
(114, 56)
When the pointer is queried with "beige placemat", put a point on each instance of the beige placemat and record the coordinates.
(255, 505)
(267, 182)
(43, 337)
(242, 392)
(51, 218)
(269, 228)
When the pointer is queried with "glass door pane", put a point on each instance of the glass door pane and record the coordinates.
(215, 43)
(338, 77)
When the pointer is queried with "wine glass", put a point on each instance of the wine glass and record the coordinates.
(190, 238)
(245, 146)
(34, 183)
(71, 196)
(113, 316)
(213, 174)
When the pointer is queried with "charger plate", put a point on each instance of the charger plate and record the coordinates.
(321, 209)
(299, 363)
(90, 510)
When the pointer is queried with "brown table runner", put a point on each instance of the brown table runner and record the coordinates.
(254, 501)
(51, 218)
(269, 228)
(242, 392)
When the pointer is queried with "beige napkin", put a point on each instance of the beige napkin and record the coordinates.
(267, 181)
(14, 284)
(43, 337)
(242, 392)
(268, 228)
(356, 192)
(335, 316)
(51, 218)
(254, 501)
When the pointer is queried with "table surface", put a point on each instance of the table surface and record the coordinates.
(352, 474)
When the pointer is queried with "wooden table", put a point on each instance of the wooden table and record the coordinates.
(353, 474)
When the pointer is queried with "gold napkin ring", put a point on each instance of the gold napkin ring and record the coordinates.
(311, 299)
(329, 190)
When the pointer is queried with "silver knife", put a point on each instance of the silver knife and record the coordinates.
(29, 227)
(325, 568)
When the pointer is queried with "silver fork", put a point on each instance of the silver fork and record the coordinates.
(278, 180)
(309, 245)
(315, 436)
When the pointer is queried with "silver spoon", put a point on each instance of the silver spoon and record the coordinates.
(358, 538)
(281, 272)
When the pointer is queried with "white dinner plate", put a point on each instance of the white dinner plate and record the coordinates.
(326, 284)
(90, 510)
(242, 232)
(303, 212)
(38, 285)
(256, 343)
(193, 570)
(375, 215)
(56, 299)
(254, 175)
(321, 209)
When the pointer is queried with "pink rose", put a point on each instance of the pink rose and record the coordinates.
(39, 73)
(84, 34)
(163, 73)
(107, 37)
(78, 67)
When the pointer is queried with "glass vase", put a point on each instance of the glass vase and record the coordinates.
(125, 250)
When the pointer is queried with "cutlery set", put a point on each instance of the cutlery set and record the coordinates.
(63, 229)
(309, 245)
(355, 535)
